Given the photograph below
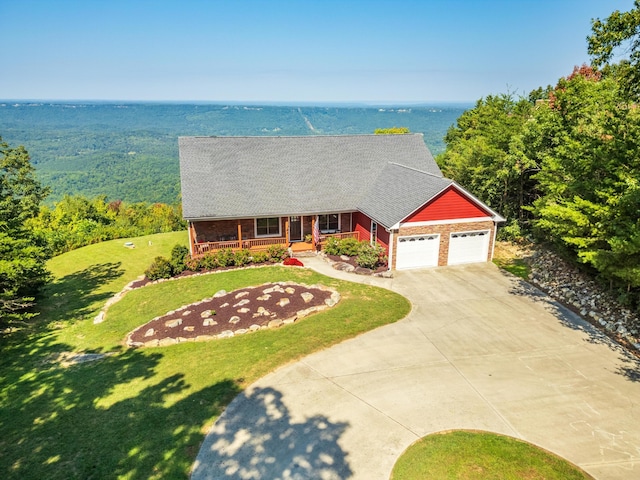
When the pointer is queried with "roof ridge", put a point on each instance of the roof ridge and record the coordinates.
(339, 135)
(418, 170)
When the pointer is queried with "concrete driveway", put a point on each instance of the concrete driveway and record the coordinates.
(479, 350)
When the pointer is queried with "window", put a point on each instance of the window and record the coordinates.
(329, 223)
(374, 233)
(268, 227)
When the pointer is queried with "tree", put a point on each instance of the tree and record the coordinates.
(22, 253)
(589, 151)
(392, 131)
(618, 33)
(485, 154)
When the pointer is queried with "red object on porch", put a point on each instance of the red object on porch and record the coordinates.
(293, 262)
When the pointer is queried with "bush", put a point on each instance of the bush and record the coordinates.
(370, 256)
(260, 257)
(277, 253)
(332, 246)
(225, 258)
(160, 268)
(179, 255)
(242, 257)
(349, 247)
(511, 232)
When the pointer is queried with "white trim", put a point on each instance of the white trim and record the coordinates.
(390, 258)
(373, 239)
(446, 222)
(255, 228)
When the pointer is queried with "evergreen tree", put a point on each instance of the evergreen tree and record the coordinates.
(22, 254)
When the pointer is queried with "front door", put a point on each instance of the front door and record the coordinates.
(295, 229)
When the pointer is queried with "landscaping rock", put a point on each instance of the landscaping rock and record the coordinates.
(235, 319)
(173, 323)
(283, 302)
(209, 322)
(241, 303)
(241, 294)
(363, 271)
(219, 293)
(307, 296)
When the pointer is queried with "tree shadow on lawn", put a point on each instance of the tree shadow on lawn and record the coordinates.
(570, 319)
(256, 437)
(70, 297)
(93, 420)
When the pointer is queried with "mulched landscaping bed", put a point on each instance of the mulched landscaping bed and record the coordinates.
(238, 312)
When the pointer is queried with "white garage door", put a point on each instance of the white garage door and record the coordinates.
(417, 251)
(468, 247)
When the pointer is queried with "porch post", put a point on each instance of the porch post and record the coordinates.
(192, 240)
(313, 229)
(239, 235)
(286, 231)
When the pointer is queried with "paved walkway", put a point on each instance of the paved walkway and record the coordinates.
(479, 350)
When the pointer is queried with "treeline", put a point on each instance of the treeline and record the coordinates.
(76, 221)
(563, 164)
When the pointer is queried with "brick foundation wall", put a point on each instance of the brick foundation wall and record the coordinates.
(445, 230)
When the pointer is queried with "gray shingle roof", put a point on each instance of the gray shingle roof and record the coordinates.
(240, 177)
(398, 192)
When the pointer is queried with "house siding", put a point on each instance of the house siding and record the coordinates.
(449, 205)
(362, 225)
(445, 230)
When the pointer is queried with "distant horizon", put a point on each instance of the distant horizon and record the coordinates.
(293, 103)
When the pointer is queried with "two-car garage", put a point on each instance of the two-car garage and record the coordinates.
(420, 251)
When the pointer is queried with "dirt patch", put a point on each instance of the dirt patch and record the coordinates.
(227, 314)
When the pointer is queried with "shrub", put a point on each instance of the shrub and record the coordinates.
(242, 257)
(370, 256)
(260, 257)
(349, 247)
(293, 262)
(225, 258)
(277, 253)
(160, 268)
(332, 246)
(179, 255)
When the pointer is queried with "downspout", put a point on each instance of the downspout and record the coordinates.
(495, 234)
(390, 260)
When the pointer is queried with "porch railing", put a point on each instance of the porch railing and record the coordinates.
(339, 236)
(255, 244)
(203, 248)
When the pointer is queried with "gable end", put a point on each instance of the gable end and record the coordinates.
(450, 204)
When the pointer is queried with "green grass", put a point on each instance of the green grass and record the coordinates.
(481, 455)
(141, 414)
(515, 266)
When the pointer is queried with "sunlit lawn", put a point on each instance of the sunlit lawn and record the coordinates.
(143, 413)
(480, 456)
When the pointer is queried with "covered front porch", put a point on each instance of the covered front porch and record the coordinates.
(255, 234)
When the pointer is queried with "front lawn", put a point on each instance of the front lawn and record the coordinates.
(140, 414)
(480, 456)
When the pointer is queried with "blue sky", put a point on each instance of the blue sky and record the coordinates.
(404, 51)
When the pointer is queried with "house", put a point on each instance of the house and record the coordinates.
(252, 192)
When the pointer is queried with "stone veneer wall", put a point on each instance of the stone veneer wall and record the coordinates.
(445, 230)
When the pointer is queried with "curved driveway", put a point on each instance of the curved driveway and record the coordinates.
(479, 350)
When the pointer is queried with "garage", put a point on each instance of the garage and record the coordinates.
(416, 251)
(468, 247)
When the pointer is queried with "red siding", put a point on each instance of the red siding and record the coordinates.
(450, 204)
(362, 225)
(383, 238)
